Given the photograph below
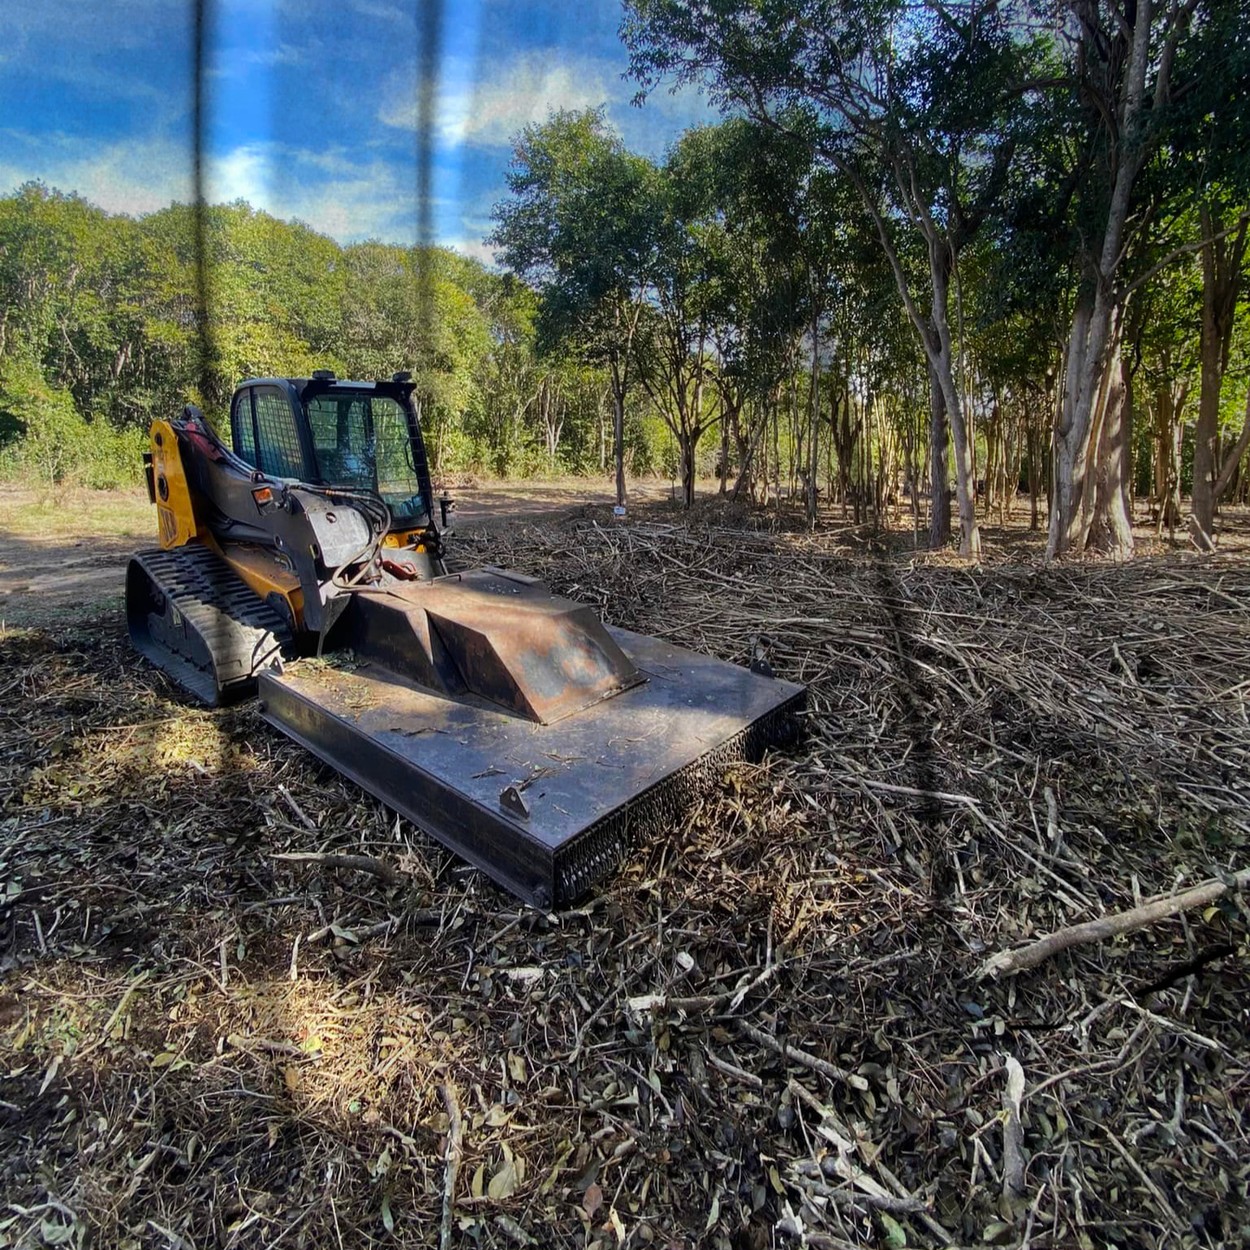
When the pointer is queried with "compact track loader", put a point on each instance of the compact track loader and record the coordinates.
(305, 564)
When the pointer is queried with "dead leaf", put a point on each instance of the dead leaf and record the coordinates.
(503, 1184)
(50, 1075)
(562, 1158)
(713, 1215)
(618, 1226)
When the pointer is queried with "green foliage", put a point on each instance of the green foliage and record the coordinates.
(582, 221)
(103, 328)
(44, 439)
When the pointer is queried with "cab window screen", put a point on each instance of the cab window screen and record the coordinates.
(396, 479)
(244, 437)
(340, 430)
(279, 453)
(362, 442)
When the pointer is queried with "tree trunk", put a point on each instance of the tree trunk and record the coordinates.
(939, 499)
(724, 448)
(796, 437)
(965, 497)
(1035, 484)
(693, 428)
(776, 406)
(813, 459)
(911, 470)
(933, 331)
(748, 441)
(1206, 436)
(1091, 374)
(941, 361)
(1232, 462)
(1169, 405)
(686, 443)
(1221, 283)
(603, 433)
(618, 430)
(1111, 526)
(1078, 436)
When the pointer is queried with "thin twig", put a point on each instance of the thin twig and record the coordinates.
(455, 1131)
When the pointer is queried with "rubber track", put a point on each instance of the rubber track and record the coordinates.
(228, 634)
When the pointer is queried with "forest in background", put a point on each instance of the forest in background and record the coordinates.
(100, 332)
(935, 265)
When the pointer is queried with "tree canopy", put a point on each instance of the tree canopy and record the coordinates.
(933, 257)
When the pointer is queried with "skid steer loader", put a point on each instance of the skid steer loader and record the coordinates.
(304, 564)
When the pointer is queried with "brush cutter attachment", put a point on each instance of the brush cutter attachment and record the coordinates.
(520, 732)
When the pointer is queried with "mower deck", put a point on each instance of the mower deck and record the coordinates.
(544, 810)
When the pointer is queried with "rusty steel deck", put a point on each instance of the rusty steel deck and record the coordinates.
(545, 810)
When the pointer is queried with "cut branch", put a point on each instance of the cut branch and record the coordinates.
(1008, 963)
(361, 863)
(455, 1136)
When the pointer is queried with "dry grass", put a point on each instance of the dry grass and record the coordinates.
(766, 1031)
(53, 515)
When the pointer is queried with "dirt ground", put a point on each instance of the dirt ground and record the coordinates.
(768, 1029)
(70, 553)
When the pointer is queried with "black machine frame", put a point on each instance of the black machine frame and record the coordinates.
(299, 391)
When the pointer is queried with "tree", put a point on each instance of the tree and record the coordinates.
(917, 111)
(674, 345)
(1122, 66)
(1208, 147)
(752, 246)
(583, 221)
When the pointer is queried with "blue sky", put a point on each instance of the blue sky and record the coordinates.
(311, 104)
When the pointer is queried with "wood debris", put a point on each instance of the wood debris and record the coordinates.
(203, 1043)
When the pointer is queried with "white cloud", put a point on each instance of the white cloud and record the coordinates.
(386, 12)
(130, 177)
(345, 198)
(475, 249)
(513, 94)
(487, 112)
(233, 63)
(340, 195)
(96, 25)
(347, 195)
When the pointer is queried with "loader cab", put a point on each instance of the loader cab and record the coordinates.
(356, 436)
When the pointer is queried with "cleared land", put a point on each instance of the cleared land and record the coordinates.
(767, 1027)
(67, 552)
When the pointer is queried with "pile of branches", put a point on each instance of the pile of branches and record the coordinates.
(246, 1006)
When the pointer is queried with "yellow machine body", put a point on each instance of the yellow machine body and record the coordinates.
(175, 511)
(265, 576)
(177, 525)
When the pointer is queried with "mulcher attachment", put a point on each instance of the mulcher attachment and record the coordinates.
(508, 723)
(544, 804)
(195, 618)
